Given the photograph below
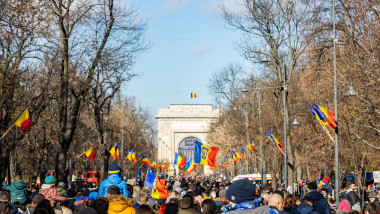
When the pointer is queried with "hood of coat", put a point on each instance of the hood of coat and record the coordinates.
(118, 203)
(315, 195)
(114, 179)
(46, 186)
(20, 185)
(304, 208)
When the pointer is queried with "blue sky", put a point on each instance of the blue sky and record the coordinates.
(190, 42)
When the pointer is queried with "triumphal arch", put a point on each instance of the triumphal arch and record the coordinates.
(179, 126)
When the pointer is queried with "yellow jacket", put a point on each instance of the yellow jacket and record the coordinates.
(119, 204)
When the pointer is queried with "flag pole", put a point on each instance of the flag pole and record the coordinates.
(8, 130)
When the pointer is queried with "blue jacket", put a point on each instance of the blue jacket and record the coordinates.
(304, 208)
(112, 180)
(320, 203)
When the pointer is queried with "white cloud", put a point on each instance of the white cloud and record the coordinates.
(173, 5)
(235, 6)
(200, 49)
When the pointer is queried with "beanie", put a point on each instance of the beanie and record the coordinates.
(49, 179)
(113, 169)
(241, 191)
(326, 180)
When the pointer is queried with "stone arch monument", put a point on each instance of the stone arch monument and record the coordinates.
(179, 126)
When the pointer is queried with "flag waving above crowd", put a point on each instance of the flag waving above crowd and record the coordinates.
(205, 155)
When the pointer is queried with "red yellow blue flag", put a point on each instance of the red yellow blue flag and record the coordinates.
(114, 151)
(205, 155)
(273, 139)
(178, 160)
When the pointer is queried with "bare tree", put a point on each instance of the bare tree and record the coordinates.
(89, 30)
(273, 30)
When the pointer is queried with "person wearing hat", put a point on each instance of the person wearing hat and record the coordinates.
(49, 191)
(61, 191)
(327, 187)
(241, 195)
(373, 197)
(113, 180)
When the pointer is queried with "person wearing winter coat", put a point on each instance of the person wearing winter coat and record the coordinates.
(119, 204)
(136, 187)
(61, 191)
(35, 201)
(113, 180)
(49, 191)
(306, 207)
(17, 189)
(319, 202)
(186, 205)
(353, 198)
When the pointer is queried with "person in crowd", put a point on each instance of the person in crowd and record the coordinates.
(344, 205)
(113, 180)
(61, 191)
(222, 191)
(209, 207)
(326, 186)
(34, 190)
(173, 195)
(156, 208)
(41, 211)
(45, 204)
(275, 202)
(289, 204)
(135, 186)
(147, 191)
(49, 191)
(80, 204)
(63, 208)
(319, 202)
(35, 201)
(352, 197)
(143, 198)
(17, 189)
(371, 208)
(373, 197)
(5, 203)
(119, 203)
(145, 209)
(186, 205)
(101, 205)
(306, 207)
(241, 195)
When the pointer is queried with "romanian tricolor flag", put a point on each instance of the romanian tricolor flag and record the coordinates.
(274, 140)
(218, 165)
(23, 121)
(190, 165)
(323, 115)
(159, 166)
(159, 191)
(193, 95)
(145, 160)
(90, 153)
(154, 164)
(115, 152)
(132, 157)
(229, 160)
(224, 165)
(205, 155)
(252, 148)
(243, 154)
(164, 167)
(179, 161)
(236, 156)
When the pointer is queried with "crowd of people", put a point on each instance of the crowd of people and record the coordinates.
(187, 195)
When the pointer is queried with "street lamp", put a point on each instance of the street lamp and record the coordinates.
(295, 123)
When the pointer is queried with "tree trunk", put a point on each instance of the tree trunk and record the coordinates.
(61, 162)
